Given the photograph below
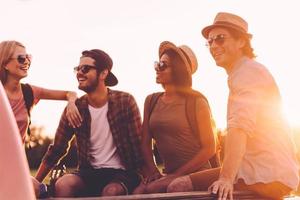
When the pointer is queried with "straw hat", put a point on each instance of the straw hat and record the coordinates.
(228, 20)
(184, 52)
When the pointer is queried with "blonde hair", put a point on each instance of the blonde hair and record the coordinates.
(7, 49)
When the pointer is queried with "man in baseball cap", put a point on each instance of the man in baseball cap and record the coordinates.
(108, 139)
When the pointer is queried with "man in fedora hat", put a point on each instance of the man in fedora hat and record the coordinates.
(108, 139)
(259, 153)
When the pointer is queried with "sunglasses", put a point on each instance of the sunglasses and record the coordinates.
(84, 68)
(218, 39)
(22, 58)
(160, 66)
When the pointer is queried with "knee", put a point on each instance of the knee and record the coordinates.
(113, 189)
(154, 187)
(67, 185)
(63, 182)
(180, 184)
(61, 186)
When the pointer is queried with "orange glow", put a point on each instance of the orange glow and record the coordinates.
(292, 116)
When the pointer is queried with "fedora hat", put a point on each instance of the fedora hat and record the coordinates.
(228, 20)
(185, 52)
(102, 61)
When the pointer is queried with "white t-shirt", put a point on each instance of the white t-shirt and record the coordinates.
(103, 149)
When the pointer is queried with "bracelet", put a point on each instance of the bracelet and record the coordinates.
(43, 191)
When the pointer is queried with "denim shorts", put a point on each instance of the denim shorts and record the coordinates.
(96, 179)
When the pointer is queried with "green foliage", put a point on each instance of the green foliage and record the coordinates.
(36, 146)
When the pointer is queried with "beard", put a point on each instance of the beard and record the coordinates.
(90, 87)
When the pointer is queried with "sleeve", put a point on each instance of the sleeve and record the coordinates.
(61, 144)
(36, 93)
(134, 130)
(245, 101)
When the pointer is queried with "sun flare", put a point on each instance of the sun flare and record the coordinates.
(292, 116)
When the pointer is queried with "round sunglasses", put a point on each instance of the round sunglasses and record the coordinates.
(217, 39)
(22, 58)
(84, 68)
(160, 66)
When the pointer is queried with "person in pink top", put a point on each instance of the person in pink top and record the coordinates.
(259, 153)
(14, 66)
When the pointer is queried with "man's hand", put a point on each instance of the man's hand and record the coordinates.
(222, 187)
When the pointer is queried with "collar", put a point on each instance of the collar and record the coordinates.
(83, 101)
(237, 65)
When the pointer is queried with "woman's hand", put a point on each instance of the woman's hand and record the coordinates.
(73, 115)
(152, 176)
(160, 185)
(223, 187)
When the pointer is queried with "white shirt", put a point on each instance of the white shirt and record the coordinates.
(254, 105)
(103, 150)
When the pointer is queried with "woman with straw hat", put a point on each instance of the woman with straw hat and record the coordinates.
(165, 121)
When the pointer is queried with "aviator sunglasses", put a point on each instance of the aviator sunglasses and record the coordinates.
(84, 68)
(160, 66)
(22, 58)
(218, 39)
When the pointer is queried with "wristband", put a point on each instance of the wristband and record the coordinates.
(43, 191)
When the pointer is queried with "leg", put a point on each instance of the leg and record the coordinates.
(140, 189)
(199, 181)
(181, 184)
(273, 190)
(120, 182)
(68, 185)
(160, 185)
(113, 189)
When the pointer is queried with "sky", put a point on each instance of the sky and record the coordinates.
(56, 32)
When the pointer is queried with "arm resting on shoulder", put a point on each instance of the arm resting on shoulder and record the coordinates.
(73, 114)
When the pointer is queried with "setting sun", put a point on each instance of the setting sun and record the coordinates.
(257, 82)
(292, 115)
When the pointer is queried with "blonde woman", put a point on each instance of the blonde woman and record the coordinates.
(14, 66)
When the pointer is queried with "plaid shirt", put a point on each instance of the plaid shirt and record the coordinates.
(125, 124)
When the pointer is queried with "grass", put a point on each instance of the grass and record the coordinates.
(33, 173)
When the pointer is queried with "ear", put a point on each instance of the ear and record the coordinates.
(241, 43)
(104, 74)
